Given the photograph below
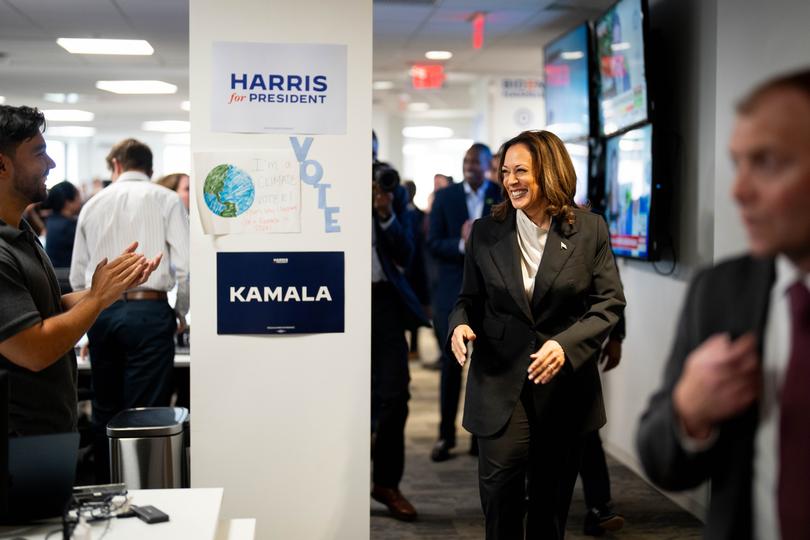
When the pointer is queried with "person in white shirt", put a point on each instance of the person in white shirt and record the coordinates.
(734, 403)
(132, 342)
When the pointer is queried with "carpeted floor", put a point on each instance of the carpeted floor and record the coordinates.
(446, 494)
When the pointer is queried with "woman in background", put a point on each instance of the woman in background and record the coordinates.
(540, 294)
(178, 182)
(64, 201)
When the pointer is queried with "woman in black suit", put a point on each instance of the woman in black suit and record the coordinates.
(540, 295)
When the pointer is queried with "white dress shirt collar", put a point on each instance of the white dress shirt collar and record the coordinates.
(130, 176)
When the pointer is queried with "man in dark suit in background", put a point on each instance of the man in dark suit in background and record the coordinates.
(416, 272)
(733, 408)
(451, 218)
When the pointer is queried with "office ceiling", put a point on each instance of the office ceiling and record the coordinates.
(32, 64)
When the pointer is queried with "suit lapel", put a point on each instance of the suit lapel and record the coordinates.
(559, 246)
(506, 256)
(491, 196)
(763, 279)
(461, 202)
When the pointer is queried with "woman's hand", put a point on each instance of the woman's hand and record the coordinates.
(461, 335)
(547, 362)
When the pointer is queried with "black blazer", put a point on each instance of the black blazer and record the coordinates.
(447, 215)
(577, 300)
(732, 297)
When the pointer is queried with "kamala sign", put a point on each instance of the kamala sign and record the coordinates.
(278, 88)
(280, 293)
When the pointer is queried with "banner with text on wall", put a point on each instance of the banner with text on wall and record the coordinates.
(278, 88)
(280, 293)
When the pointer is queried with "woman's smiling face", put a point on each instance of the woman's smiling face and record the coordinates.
(520, 183)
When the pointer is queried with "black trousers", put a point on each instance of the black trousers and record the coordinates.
(389, 385)
(523, 449)
(594, 473)
(450, 385)
(132, 355)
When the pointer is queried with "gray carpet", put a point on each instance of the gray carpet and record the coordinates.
(446, 494)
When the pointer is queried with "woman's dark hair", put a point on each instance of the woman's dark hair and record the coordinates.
(59, 195)
(18, 124)
(552, 170)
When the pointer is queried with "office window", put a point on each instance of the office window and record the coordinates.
(176, 159)
(56, 149)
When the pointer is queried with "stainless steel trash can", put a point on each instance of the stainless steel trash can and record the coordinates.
(148, 448)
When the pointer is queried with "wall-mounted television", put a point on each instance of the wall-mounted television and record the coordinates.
(620, 32)
(629, 192)
(565, 64)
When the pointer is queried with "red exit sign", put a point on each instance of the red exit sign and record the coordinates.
(427, 75)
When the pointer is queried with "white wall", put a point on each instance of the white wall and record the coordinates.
(283, 422)
(511, 115)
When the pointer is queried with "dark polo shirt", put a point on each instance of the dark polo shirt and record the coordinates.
(45, 401)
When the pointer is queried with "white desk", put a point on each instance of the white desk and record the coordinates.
(193, 514)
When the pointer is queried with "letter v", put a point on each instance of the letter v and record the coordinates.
(301, 151)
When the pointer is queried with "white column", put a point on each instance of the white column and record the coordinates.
(282, 422)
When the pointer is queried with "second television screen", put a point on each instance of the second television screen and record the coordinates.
(623, 99)
(566, 73)
(628, 192)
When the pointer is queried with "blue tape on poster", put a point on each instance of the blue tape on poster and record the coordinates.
(280, 293)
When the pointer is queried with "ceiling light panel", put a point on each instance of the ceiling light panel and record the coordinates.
(132, 47)
(427, 132)
(70, 131)
(137, 87)
(68, 115)
(167, 126)
(438, 55)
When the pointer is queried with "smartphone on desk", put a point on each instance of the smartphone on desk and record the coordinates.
(150, 514)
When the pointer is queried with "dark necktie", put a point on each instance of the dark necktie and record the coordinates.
(794, 423)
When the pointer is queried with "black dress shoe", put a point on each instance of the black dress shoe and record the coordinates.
(600, 521)
(441, 450)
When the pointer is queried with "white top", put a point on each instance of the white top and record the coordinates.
(133, 208)
(532, 242)
(776, 355)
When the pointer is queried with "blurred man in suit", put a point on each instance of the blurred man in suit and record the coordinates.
(733, 408)
(451, 218)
